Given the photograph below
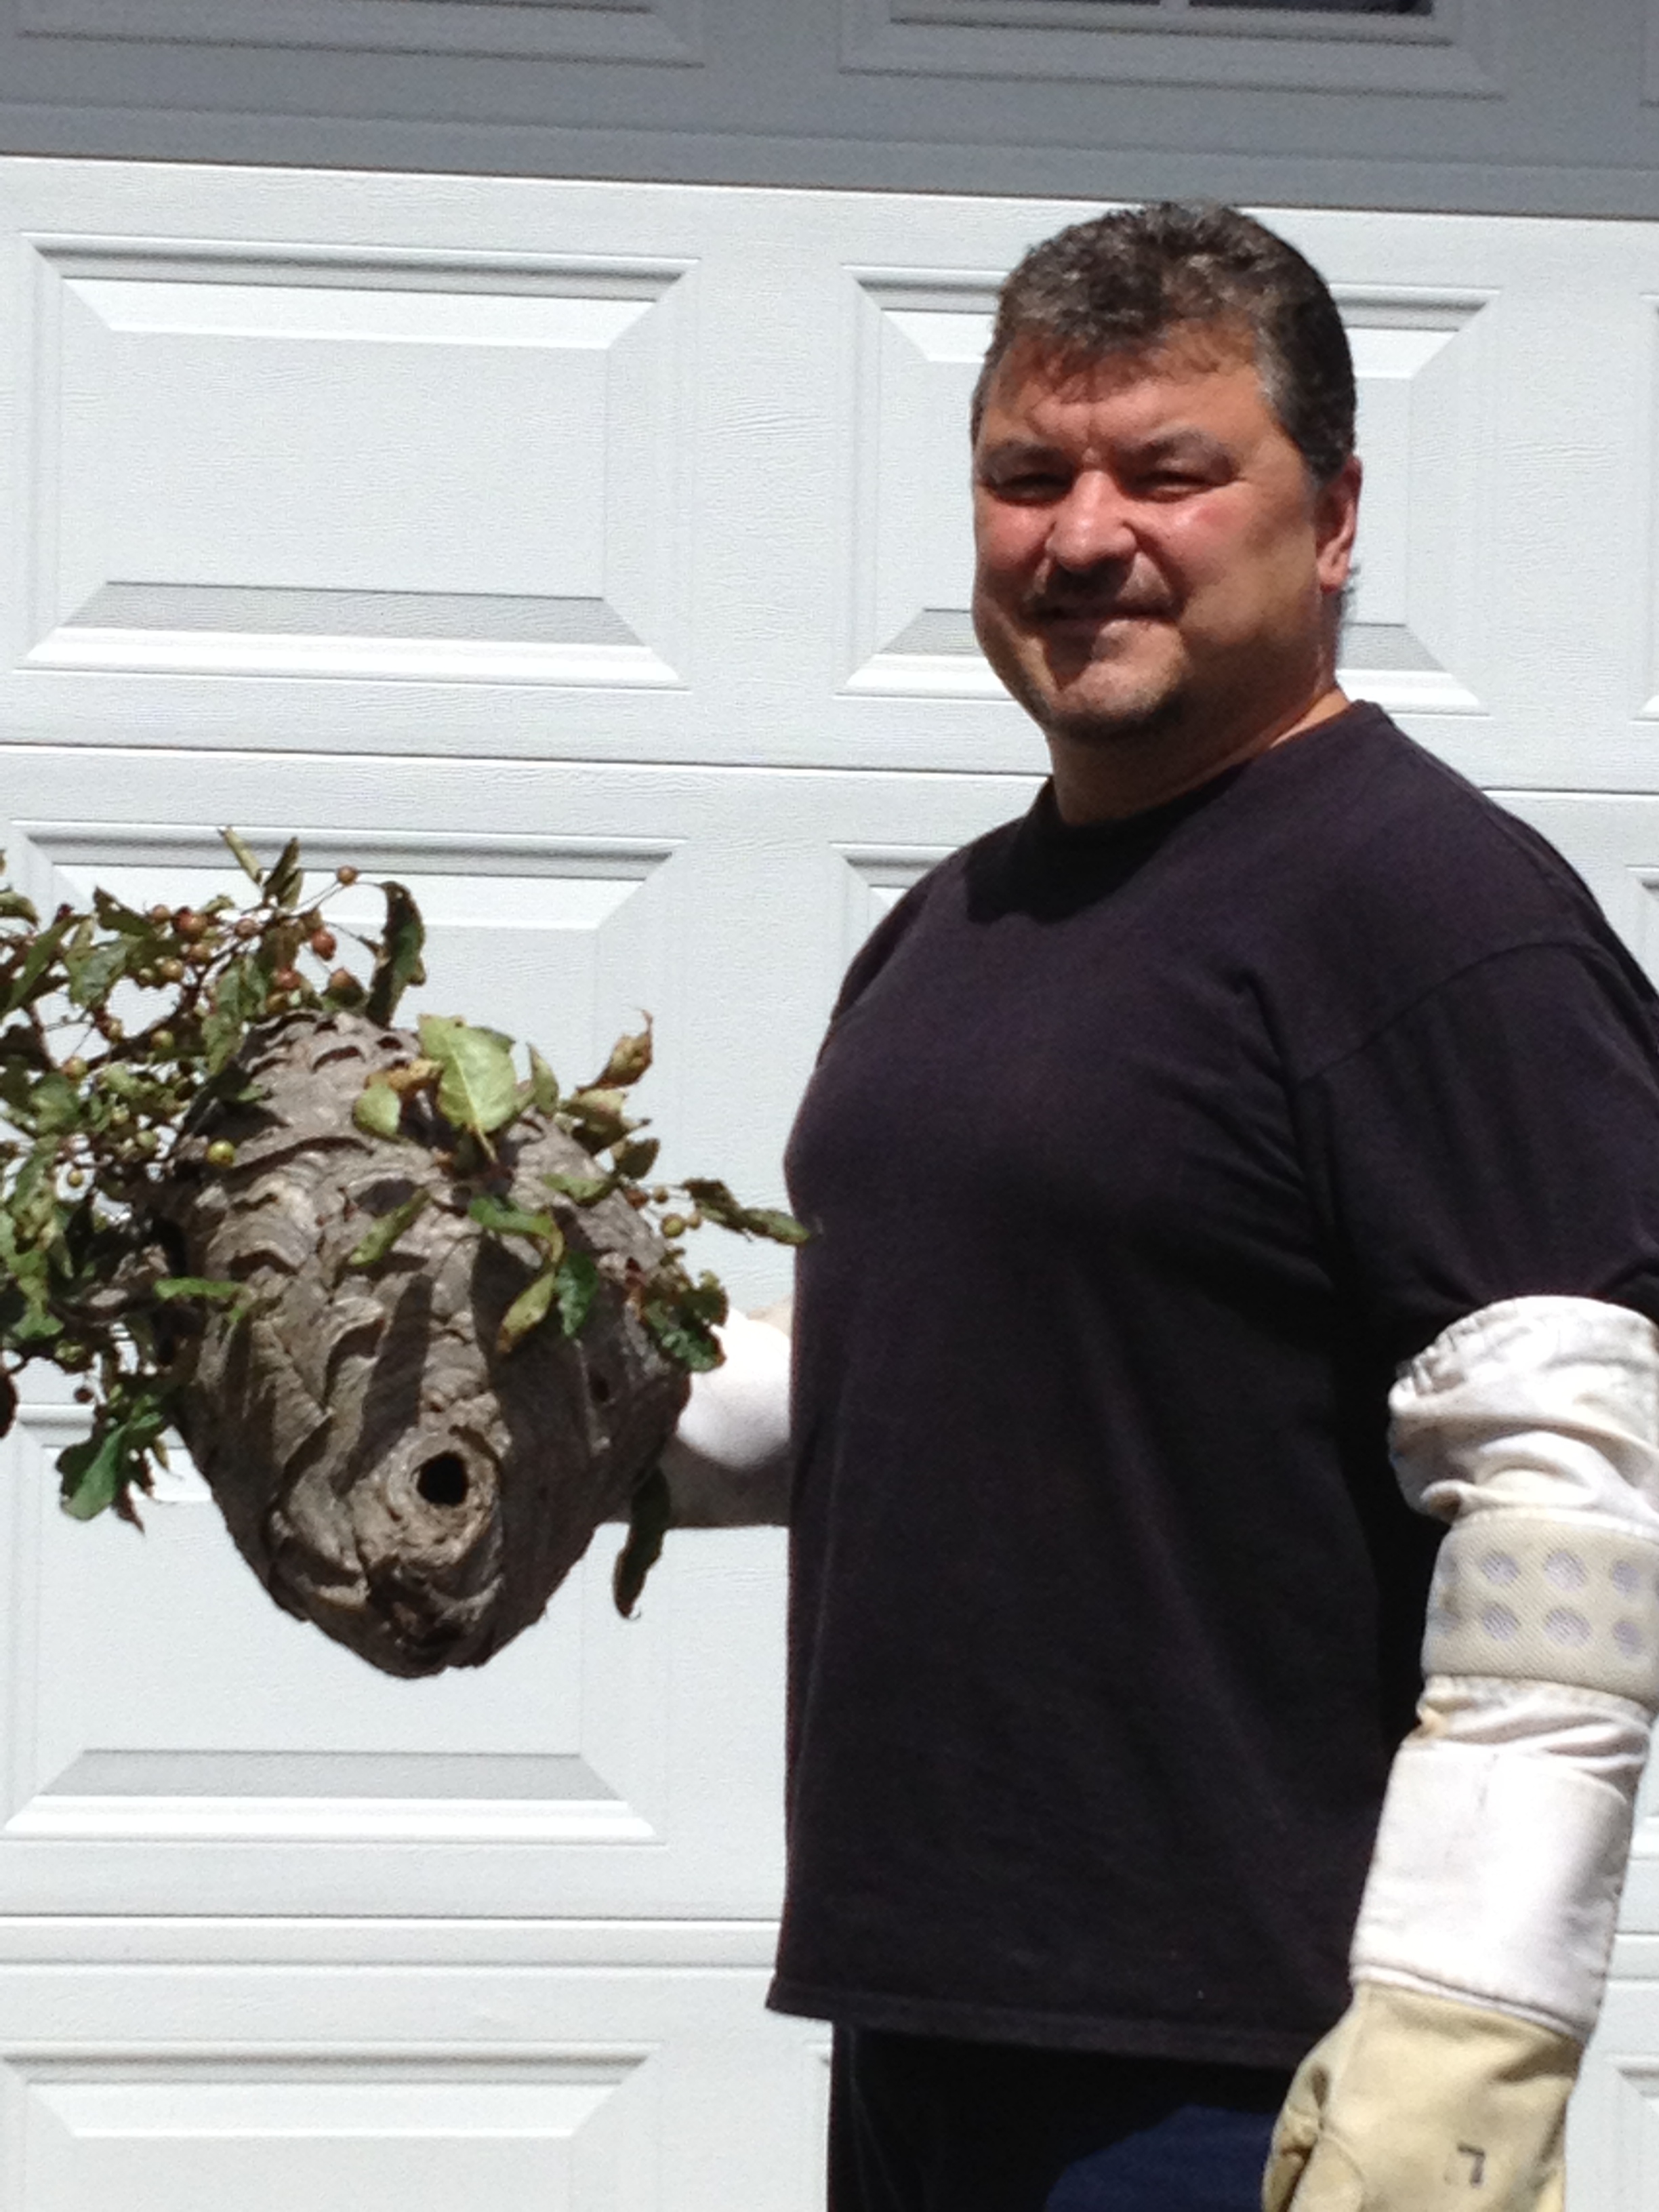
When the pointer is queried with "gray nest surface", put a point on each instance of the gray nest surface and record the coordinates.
(387, 1471)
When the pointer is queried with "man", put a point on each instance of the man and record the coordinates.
(1266, 1100)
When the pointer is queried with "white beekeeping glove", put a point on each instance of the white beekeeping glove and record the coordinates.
(1483, 1939)
(727, 1462)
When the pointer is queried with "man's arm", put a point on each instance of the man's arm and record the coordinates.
(727, 1462)
(1483, 1939)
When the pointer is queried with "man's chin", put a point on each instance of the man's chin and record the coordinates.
(1121, 721)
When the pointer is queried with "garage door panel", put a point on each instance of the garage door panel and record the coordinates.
(353, 468)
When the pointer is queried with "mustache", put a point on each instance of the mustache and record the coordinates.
(1093, 602)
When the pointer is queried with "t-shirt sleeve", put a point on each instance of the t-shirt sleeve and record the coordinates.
(1497, 1138)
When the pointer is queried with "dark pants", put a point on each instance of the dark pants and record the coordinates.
(918, 2124)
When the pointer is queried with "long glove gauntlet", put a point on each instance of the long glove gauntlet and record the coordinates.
(1483, 1939)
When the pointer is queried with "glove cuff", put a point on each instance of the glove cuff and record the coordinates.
(1496, 1880)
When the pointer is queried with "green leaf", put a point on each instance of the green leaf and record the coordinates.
(213, 1290)
(115, 914)
(719, 1206)
(397, 958)
(772, 1221)
(99, 1471)
(683, 1322)
(246, 858)
(14, 907)
(531, 1307)
(601, 1115)
(581, 1191)
(239, 997)
(479, 1086)
(91, 1473)
(507, 1220)
(38, 1326)
(577, 1288)
(650, 1515)
(375, 1247)
(378, 1110)
(93, 977)
(285, 885)
(32, 979)
(637, 1159)
(630, 1056)
(59, 1104)
(544, 1085)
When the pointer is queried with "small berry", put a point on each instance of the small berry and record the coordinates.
(160, 916)
(200, 956)
(84, 1394)
(346, 875)
(287, 979)
(147, 1143)
(172, 971)
(673, 1224)
(145, 978)
(247, 927)
(76, 1178)
(343, 980)
(189, 924)
(324, 943)
(74, 1069)
(221, 1153)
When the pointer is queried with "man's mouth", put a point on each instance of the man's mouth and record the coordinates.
(1097, 615)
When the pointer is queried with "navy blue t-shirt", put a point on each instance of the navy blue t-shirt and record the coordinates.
(1139, 1156)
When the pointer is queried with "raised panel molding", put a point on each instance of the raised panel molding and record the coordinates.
(877, 878)
(143, 1676)
(1420, 384)
(248, 462)
(919, 339)
(552, 30)
(1456, 50)
(522, 2130)
(543, 937)
(141, 1680)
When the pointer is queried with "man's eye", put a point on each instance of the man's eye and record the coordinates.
(1172, 483)
(1028, 484)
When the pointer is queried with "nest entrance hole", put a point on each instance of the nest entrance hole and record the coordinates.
(443, 1480)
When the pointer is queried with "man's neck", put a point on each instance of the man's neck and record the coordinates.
(1109, 780)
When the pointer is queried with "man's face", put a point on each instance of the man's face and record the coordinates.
(1152, 558)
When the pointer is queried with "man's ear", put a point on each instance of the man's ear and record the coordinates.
(1336, 517)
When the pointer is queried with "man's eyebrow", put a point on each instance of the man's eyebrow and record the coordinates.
(1185, 442)
(1018, 449)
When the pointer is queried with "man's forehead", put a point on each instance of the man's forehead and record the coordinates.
(1036, 365)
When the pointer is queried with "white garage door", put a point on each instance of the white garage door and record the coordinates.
(594, 558)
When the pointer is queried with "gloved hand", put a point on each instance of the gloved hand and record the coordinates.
(1419, 2103)
(727, 1462)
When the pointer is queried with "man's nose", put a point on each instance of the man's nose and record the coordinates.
(1090, 526)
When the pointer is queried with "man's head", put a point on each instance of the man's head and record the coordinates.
(1126, 282)
(1164, 497)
